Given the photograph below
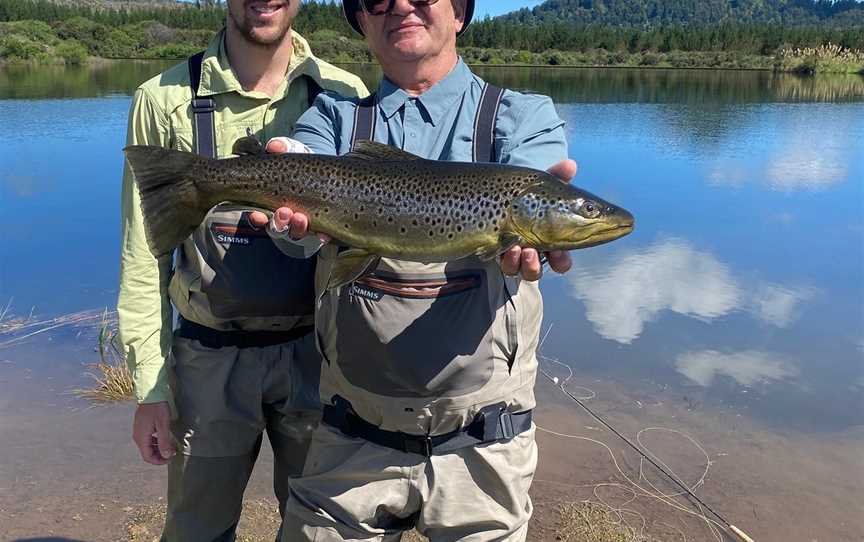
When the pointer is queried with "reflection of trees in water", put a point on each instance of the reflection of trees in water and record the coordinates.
(614, 85)
(828, 88)
(98, 79)
(564, 85)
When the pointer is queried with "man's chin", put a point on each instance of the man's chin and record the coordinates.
(408, 49)
(266, 37)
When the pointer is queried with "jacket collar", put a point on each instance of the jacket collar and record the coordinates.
(217, 77)
(435, 102)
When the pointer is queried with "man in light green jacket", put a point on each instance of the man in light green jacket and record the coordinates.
(241, 359)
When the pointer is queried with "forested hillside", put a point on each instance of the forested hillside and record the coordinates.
(797, 35)
(642, 13)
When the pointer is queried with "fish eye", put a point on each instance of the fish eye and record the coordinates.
(590, 209)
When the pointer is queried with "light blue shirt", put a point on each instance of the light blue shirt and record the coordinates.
(439, 124)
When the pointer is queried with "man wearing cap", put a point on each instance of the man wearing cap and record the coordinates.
(429, 369)
(242, 359)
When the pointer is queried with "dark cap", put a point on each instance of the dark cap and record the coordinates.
(351, 7)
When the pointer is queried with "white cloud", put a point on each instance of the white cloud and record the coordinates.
(621, 296)
(777, 305)
(748, 367)
(796, 164)
(805, 167)
(23, 185)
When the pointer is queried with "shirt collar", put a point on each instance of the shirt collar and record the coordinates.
(437, 101)
(217, 77)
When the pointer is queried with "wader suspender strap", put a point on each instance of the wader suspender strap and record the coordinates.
(364, 120)
(313, 89)
(484, 124)
(203, 126)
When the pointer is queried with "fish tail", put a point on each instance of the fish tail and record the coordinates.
(170, 201)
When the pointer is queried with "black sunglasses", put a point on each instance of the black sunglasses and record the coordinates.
(383, 7)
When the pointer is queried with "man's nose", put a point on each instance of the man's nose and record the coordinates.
(403, 7)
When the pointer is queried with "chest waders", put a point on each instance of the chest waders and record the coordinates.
(223, 263)
(492, 423)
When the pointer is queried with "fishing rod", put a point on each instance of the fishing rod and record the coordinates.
(741, 535)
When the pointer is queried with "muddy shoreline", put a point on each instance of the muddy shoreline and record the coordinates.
(71, 472)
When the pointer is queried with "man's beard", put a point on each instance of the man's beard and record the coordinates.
(246, 30)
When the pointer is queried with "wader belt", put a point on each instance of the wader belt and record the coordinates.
(492, 424)
(203, 125)
(215, 338)
(483, 149)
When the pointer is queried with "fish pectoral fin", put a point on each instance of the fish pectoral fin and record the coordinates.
(350, 265)
(488, 253)
(370, 150)
(508, 241)
(505, 242)
(247, 145)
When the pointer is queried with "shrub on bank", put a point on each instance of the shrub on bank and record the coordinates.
(18, 49)
(71, 51)
(333, 47)
(35, 31)
(825, 58)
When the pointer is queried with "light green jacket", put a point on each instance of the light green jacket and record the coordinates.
(161, 115)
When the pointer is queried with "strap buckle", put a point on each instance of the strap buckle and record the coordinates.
(489, 423)
(203, 105)
(505, 424)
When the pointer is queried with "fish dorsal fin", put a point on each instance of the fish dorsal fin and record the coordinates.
(379, 152)
(248, 145)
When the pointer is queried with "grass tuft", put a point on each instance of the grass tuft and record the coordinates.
(112, 380)
(827, 58)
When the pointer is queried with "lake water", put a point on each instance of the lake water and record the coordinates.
(735, 308)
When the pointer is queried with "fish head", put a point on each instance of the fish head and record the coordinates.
(553, 215)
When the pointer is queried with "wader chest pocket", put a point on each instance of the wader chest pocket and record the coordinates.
(416, 337)
(244, 274)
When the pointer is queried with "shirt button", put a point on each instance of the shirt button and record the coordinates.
(412, 134)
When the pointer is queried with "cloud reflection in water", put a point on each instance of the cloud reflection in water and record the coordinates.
(747, 368)
(623, 294)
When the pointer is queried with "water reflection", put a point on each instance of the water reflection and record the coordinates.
(747, 368)
(691, 87)
(749, 252)
(803, 166)
(565, 85)
(811, 156)
(622, 295)
(629, 290)
(778, 305)
(99, 79)
(23, 186)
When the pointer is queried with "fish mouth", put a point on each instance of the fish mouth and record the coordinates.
(610, 232)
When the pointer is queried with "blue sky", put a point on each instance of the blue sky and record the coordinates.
(492, 8)
(498, 7)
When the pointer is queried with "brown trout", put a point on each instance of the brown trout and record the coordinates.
(378, 200)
